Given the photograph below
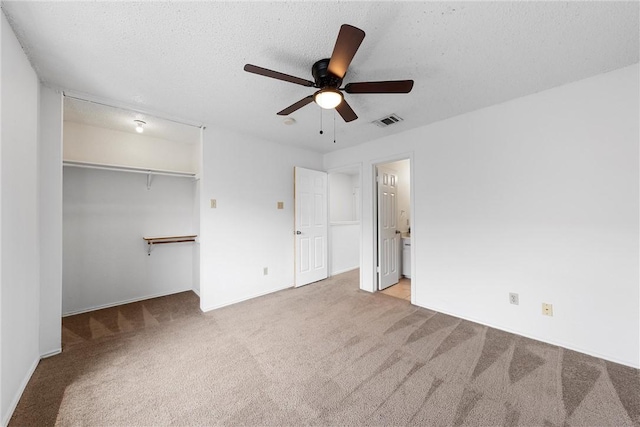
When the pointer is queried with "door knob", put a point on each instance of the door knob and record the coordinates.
(298, 232)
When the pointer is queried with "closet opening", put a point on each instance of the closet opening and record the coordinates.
(130, 217)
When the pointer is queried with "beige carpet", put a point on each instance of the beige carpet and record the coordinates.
(324, 354)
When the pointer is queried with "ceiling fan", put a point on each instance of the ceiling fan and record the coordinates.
(328, 74)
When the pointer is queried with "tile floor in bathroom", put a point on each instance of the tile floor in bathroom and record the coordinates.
(400, 290)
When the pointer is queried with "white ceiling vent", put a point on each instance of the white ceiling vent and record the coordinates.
(387, 121)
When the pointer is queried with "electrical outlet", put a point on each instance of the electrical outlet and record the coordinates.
(513, 298)
(265, 271)
(214, 204)
(547, 309)
(280, 205)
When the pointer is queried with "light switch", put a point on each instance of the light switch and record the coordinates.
(214, 204)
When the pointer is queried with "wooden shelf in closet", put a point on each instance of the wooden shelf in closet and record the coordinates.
(168, 239)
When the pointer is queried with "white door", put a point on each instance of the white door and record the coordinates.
(388, 234)
(310, 193)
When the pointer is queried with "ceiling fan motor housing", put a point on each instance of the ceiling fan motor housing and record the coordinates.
(323, 77)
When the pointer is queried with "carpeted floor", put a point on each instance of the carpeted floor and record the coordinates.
(324, 354)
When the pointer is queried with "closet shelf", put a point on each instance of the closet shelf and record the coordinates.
(133, 169)
(167, 239)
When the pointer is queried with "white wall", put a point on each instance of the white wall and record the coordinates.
(246, 232)
(195, 247)
(344, 215)
(195, 272)
(50, 222)
(19, 250)
(537, 196)
(344, 247)
(106, 215)
(342, 188)
(91, 144)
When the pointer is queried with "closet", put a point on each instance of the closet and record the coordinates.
(130, 206)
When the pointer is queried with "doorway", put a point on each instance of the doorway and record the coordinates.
(345, 201)
(393, 228)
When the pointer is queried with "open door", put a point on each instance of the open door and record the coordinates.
(388, 233)
(311, 219)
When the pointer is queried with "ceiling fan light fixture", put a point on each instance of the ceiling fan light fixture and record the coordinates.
(328, 98)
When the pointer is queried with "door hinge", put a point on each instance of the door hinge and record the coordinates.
(378, 269)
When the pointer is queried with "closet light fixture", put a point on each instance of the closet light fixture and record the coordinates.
(139, 124)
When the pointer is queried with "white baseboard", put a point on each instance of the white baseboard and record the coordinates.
(51, 353)
(537, 338)
(14, 402)
(215, 307)
(113, 304)
(196, 291)
(344, 270)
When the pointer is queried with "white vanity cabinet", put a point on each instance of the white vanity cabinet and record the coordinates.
(406, 257)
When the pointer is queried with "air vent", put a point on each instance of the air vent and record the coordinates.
(387, 121)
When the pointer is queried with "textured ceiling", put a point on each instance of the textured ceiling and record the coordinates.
(185, 60)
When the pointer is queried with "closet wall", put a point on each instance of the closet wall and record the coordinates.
(94, 144)
(344, 216)
(106, 214)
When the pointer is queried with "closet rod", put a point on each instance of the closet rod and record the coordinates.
(135, 110)
(127, 169)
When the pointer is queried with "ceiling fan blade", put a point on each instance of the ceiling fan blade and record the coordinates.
(276, 75)
(346, 112)
(347, 44)
(393, 86)
(290, 109)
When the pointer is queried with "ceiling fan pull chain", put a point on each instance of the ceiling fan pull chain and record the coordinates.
(334, 126)
(321, 122)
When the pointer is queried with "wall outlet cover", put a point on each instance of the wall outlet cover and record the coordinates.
(280, 205)
(214, 204)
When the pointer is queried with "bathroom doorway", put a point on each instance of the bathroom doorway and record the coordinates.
(393, 228)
